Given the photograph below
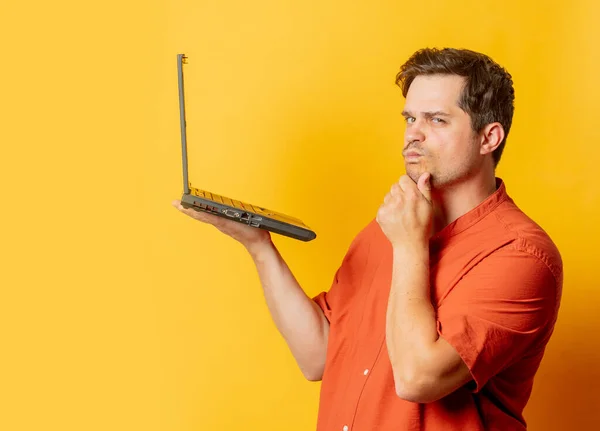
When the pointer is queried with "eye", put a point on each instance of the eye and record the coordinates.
(409, 120)
(437, 120)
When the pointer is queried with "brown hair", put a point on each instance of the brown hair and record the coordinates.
(488, 95)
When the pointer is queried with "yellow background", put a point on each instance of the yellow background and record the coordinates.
(119, 313)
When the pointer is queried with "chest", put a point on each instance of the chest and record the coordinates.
(368, 286)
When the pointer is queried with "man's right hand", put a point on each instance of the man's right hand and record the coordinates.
(249, 237)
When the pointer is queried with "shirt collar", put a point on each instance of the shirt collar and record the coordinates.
(470, 218)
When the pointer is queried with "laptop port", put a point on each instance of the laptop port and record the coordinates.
(231, 213)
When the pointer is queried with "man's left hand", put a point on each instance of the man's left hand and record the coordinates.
(406, 216)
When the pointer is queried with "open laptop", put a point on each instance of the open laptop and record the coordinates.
(251, 215)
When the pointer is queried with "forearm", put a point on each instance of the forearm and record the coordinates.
(411, 331)
(298, 318)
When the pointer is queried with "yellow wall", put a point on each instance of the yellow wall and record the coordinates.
(119, 313)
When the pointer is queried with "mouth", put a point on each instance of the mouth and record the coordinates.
(412, 157)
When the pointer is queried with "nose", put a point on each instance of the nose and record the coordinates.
(413, 134)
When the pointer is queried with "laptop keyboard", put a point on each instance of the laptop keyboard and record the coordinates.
(225, 200)
(243, 206)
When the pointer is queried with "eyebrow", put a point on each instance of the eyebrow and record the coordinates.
(427, 114)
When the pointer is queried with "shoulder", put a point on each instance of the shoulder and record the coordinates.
(370, 236)
(529, 239)
(524, 272)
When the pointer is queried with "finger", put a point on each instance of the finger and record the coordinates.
(202, 216)
(424, 185)
(406, 183)
(198, 214)
(394, 202)
(398, 200)
(395, 189)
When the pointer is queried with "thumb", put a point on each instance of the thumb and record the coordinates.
(424, 185)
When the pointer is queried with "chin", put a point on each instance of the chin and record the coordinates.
(414, 172)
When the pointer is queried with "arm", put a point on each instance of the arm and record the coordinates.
(425, 367)
(507, 310)
(298, 318)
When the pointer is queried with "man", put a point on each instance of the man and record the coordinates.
(440, 313)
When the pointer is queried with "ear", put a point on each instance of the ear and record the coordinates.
(491, 137)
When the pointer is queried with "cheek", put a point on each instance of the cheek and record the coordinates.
(451, 150)
(443, 144)
(458, 143)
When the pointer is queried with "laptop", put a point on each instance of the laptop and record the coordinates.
(233, 209)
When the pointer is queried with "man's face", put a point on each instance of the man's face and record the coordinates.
(438, 138)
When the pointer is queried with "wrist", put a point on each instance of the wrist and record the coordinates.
(259, 248)
(411, 255)
(412, 248)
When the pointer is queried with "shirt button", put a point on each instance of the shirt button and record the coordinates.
(345, 428)
(366, 372)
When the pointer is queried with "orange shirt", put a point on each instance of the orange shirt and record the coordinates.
(496, 282)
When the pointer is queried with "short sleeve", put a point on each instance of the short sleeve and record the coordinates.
(347, 276)
(501, 310)
(327, 300)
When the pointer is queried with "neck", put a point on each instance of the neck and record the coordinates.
(451, 202)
